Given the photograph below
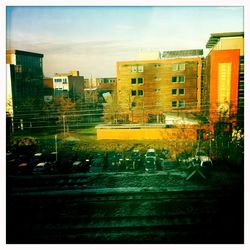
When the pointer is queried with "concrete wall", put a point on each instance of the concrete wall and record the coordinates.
(146, 134)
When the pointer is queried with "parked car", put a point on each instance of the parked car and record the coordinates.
(42, 168)
(202, 161)
(150, 160)
(184, 158)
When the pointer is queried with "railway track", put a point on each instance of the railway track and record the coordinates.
(54, 213)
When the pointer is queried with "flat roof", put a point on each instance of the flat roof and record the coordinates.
(21, 52)
(182, 53)
(215, 37)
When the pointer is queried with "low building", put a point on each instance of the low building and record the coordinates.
(69, 84)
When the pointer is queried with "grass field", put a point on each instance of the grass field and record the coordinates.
(84, 140)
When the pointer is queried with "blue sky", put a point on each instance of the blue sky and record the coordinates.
(93, 39)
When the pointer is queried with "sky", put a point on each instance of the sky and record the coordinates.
(93, 39)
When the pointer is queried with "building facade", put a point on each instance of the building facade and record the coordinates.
(26, 71)
(69, 85)
(147, 89)
(223, 89)
(24, 87)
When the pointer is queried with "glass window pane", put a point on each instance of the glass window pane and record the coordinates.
(140, 68)
(181, 104)
(133, 92)
(140, 92)
(174, 104)
(174, 78)
(182, 66)
(140, 80)
(133, 80)
(133, 68)
(181, 92)
(175, 67)
(181, 79)
(174, 91)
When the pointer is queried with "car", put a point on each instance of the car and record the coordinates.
(42, 168)
(150, 160)
(184, 158)
(202, 161)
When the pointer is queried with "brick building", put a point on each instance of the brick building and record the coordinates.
(147, 89)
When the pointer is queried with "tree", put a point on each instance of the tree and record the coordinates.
(63, 108)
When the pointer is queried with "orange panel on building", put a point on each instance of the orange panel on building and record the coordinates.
(224, 76)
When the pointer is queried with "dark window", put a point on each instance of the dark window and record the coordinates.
(140, 92)
(181, 79)
(133, 92)
(181, 92)
(182, 104)
(174, 78)
(174, 91)
(133, 80)
(174, 104)
(140, 80)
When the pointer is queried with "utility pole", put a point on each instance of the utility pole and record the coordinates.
(56, 146)
(64, 125)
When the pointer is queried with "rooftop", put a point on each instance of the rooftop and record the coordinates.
(21, 52)
(182, 53)
(215, 37)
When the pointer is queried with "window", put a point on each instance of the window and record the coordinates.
(181, 79)
(157, 90)
(133, 68)
(133, 80)
(133, 104)
(178, 66)
(174, 78)
(174, 104)
(140, 68)
(174, 91)
(140, 80)
(64, 80)
(157, 65)
(140, 92)
(182, 66)
(175, 67)
(181, 92)
(182, 104)
(133, 92)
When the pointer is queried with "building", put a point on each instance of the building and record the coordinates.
(147, 89)
(24, 86)
(69, 84)
(48, 88)
(105, 85)
(223, 89)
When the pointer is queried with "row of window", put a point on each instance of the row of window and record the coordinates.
(178, 104)
(137, 68)
(175, 79)
(64, 80)
(174, 92)
(175, 104)
(175, 67)
(137, 80)
(180, 79)
(139, 92)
